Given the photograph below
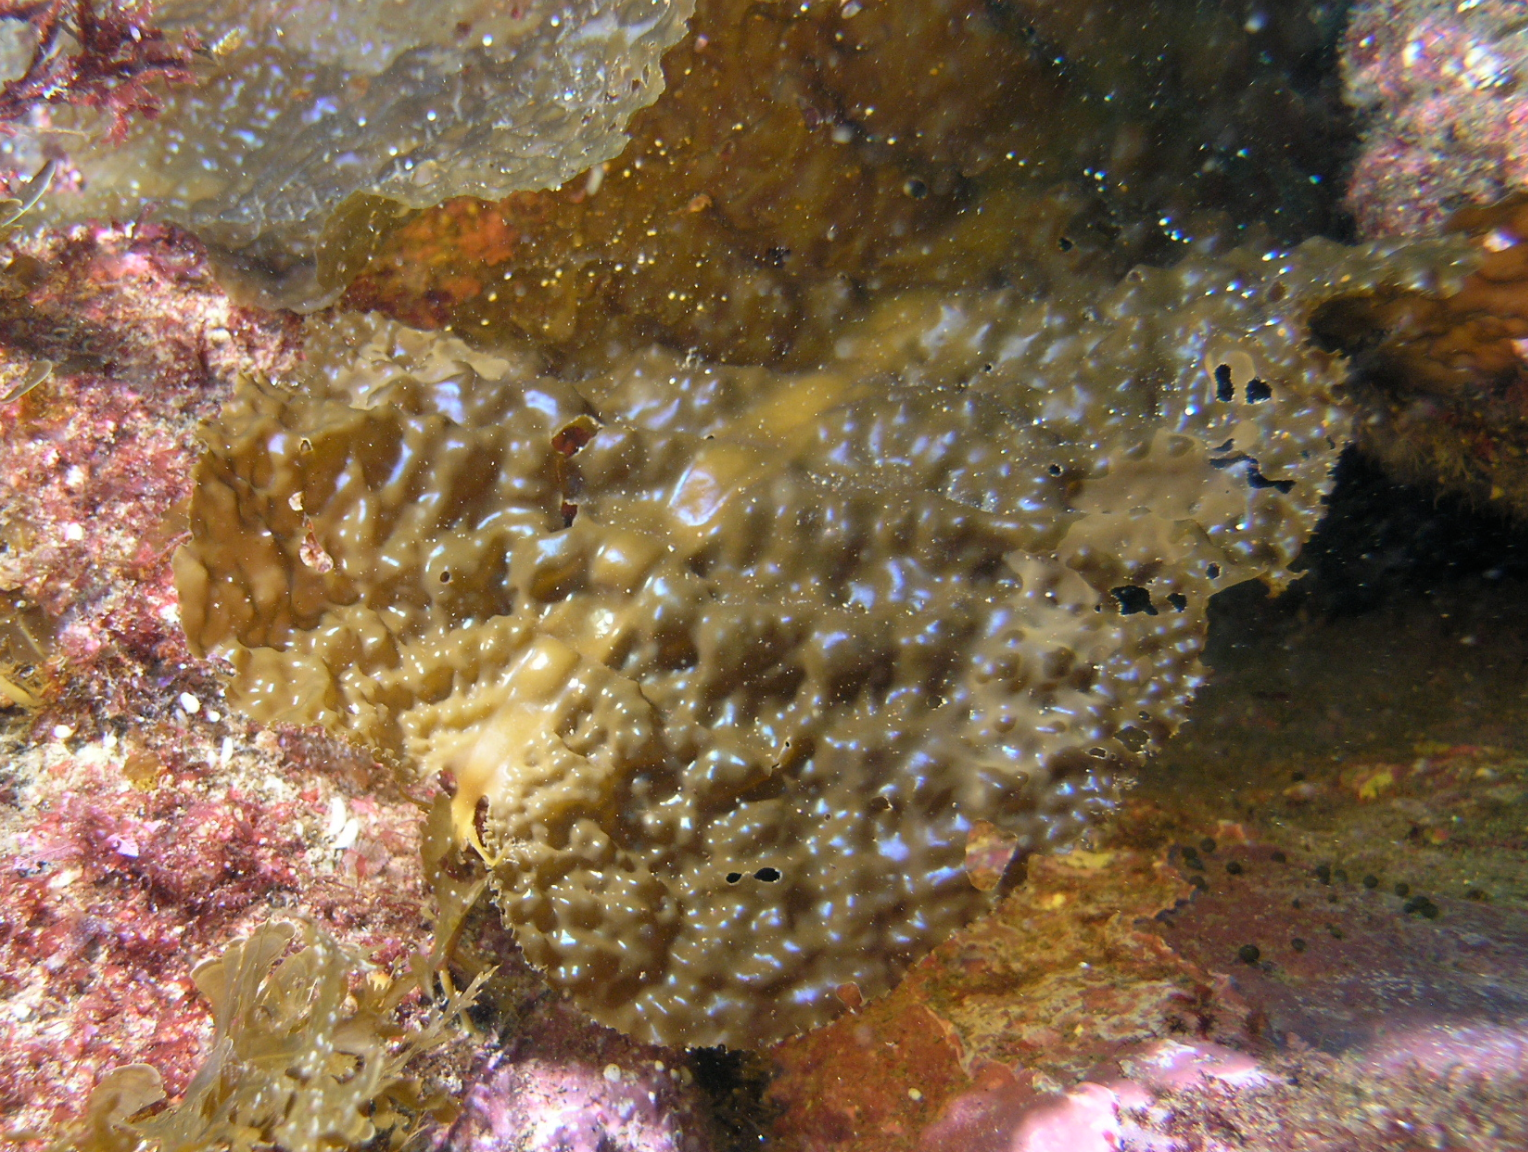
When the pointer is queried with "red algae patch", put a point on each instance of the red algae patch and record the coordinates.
(94, 459)
(113, 894)
(142, 828)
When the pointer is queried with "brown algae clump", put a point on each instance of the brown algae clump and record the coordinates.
(726, 664)
(304, 134)
(308, 1053)
(806, 158)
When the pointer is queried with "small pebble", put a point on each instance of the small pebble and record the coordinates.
(1421, 906)
(1234, 867)
(1248, 953)
(914, 1095)
(613, 1073)
(1297, 944)
(190, 703)
(1207, 845)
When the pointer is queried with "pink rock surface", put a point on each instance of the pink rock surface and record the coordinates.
(1439, 88)
(141, 826)
(1441, 1050)
(568, 1085)
(1170, 1065)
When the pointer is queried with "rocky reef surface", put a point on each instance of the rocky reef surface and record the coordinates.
(1437, 87)
(829, 339)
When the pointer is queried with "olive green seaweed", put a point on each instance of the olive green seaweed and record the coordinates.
(307, 1053)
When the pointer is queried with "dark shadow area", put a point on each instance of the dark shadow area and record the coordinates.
(1360, 756)
(735, 1084)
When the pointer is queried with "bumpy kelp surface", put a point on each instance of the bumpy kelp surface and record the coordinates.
(724, 665)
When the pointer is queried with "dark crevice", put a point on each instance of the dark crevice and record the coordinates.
(1132, 599)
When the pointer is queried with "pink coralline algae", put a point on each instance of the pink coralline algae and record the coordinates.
(109, 894)
(1102, 1115)
(141, 827)
(93, 459)
(1439, 86)
(568, 1085)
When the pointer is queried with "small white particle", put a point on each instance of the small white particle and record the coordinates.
(349, 834)
(613, 1073)
(338, 815)
(73, 533)
(1498, 241)
(914, 1095)
(62, 732)
(190, 703)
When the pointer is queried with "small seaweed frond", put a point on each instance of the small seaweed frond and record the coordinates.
(308, 1054)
